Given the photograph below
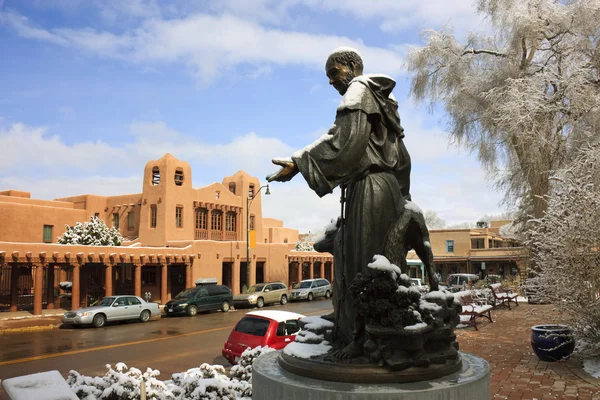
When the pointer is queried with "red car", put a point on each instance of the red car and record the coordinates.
(271, 328)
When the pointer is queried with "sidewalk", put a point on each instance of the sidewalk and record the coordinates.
(23, 321)
(516, 371)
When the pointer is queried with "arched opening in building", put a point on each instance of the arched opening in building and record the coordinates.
(155, 176)
(179, 177)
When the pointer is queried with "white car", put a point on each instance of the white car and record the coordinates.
(417, 282)
(112, 308)
(310, 289)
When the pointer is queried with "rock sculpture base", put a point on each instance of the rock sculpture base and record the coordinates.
(271, 381)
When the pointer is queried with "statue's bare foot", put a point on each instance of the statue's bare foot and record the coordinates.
(353, 350)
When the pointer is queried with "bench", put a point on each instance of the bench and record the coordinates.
(473, 307)
(503, 296)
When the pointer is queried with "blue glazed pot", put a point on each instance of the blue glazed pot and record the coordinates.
(552, 342)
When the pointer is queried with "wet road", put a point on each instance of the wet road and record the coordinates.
(169, 344)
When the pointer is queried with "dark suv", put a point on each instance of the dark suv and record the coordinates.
(200, 298)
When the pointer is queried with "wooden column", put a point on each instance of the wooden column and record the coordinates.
(188, 276)
(208, 223)
(14, 288)
(164, 276)
(84, 284)
(50, 287)
(235, 276)
(75, 288)
(252, 277)
(321, 270)
(137, 280)
(311, 269)
(108, 280)
(38, 290)
(299, 272)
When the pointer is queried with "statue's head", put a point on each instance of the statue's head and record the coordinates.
(343, 65)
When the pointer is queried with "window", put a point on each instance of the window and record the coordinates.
(116, 220)
(253, 326)
(178, 177)
(230, 221)
(48, 233)
(133, 301)
(149, 276)
(201, 218)
(155, 176)
(288, 328)
(232, 187)
(130, 221)
(217, 194)
(285, 240)
(179, 217)
(153, 216)
(449, 246)
(252, 222)
(251, 191)
(215, 220)
(477, 243)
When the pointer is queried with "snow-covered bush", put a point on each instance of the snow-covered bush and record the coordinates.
(207, 382)
(565, 250)
(303, 245)
(93, 233)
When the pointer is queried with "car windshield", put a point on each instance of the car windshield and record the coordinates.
(253, 326)
(303, 285)
(255, 288)
(105, 302)
(186, 294)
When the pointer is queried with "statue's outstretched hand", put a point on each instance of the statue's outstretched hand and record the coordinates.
(287, 172)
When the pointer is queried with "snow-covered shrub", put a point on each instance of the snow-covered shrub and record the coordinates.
(565, 250)
(207, 382)
(303, 245)
(93, 233)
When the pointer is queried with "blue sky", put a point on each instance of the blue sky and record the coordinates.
(93, 89)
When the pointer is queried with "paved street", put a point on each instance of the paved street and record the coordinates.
(169, 344)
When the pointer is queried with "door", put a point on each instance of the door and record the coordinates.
(202, 299)
(214, 297)
(269, 294)
(135, 307)
(118, 310)
(286, 334)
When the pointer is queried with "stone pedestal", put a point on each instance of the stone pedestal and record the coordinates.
(270, 381)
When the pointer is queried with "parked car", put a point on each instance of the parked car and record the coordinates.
(112, 308)
(272, 328)
(204, 297)
(310, 289)
(456, 282)
(417, 282)
(261, 294)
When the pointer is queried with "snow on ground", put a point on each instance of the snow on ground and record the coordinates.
(592, 367)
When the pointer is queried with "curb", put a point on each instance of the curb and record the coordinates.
(576, 368)
(40, 328)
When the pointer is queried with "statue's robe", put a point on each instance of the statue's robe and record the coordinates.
(363, 151)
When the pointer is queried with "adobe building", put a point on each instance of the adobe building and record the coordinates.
(174, 234)
(481, 251)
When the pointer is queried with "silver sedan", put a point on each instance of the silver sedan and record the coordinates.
(112, 308)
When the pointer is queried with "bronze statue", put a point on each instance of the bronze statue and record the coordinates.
(363, 153)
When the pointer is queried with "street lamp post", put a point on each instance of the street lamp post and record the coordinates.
(248, 202)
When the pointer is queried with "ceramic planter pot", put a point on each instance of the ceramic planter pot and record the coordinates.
(552, 342)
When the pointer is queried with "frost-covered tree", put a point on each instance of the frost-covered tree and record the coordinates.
(93, 233)
(565, 249)
(524, 98)
(433, 220)
(304, 245)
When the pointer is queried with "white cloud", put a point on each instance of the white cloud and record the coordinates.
(209, 45)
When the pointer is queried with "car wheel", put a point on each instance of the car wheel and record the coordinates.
(283, 300)
(99, 320)
(310, 297)
(192, 310)
(225, 306)
(327, 294)
(145, 316)
(260, 303)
